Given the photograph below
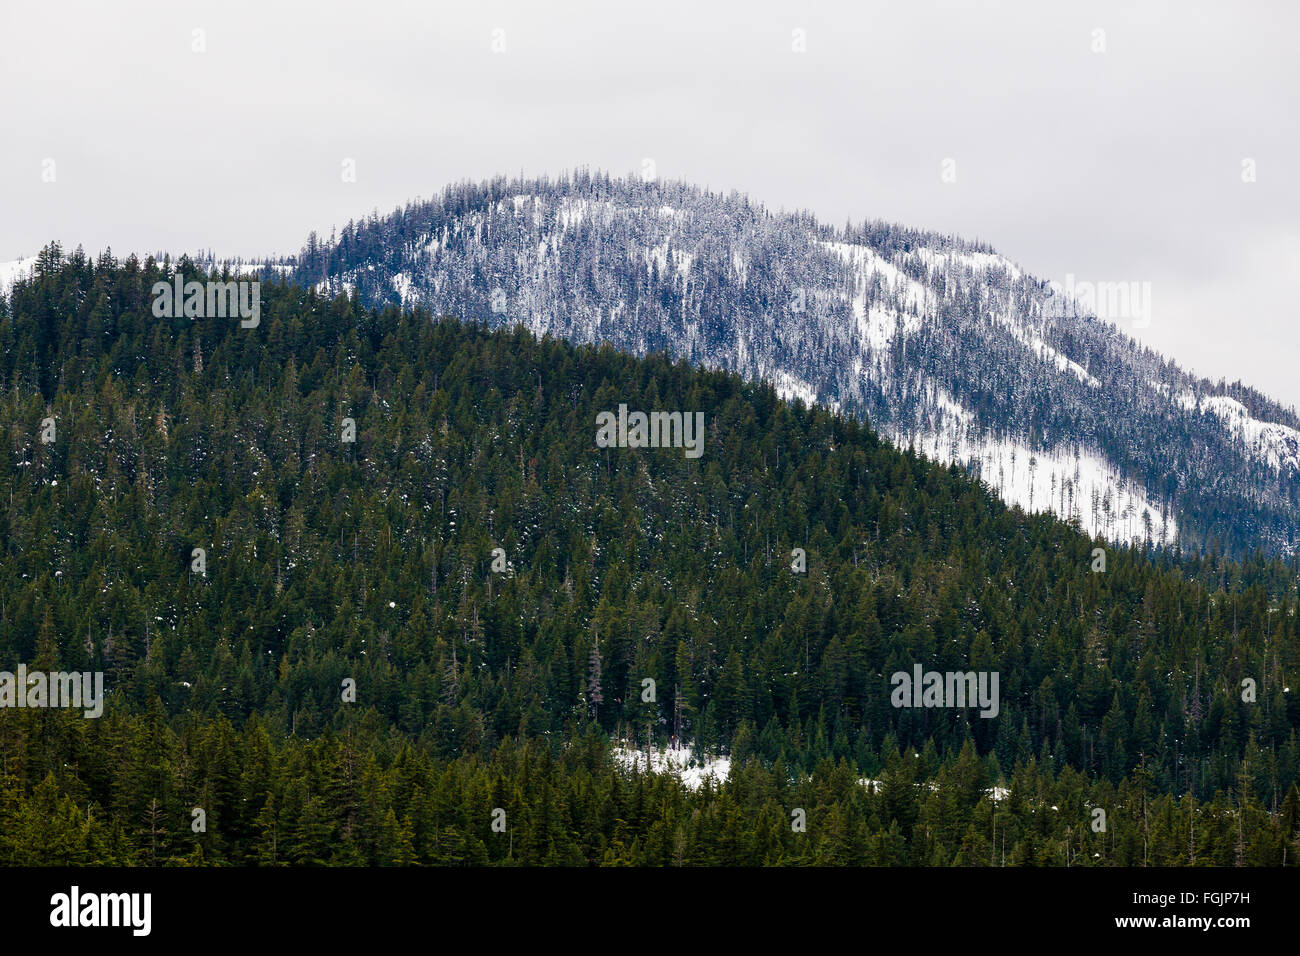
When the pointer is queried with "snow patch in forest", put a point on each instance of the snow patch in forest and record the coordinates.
(1062, 363)
(572, 212)
(1071, 483)
(1027, 337)
(678, 762)
(334, 286)
(403, 287)
(789, 387)
(880, 325)
(1277, 445)
(949, 407)
(659, 255)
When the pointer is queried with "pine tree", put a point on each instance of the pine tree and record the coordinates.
(594, 693)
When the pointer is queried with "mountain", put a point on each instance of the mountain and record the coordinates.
(941, 343)
(314, 639)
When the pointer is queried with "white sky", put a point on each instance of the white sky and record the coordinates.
(1115, 166)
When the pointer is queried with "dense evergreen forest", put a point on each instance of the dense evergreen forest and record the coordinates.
(326, 561)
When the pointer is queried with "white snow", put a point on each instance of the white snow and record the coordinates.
(659, 254)
(866, 260)
(1064, 364)
(572, 211)
(873, 786)
(975, 261)
(11, 272)
(950, 408)
(789, 387)
(333, 287)
(878, 323)
(1069, 482)
(1030, 338)
(403, 287)
(1275, 445)
(680, 763)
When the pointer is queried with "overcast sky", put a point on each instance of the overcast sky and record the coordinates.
(1122, 165)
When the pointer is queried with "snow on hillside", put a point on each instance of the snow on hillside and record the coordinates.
(789, 387)
(11, 272)
(878, 324)
(1075, 485)
(975, 262)
(402, 286)
(1035, 344)
(679, 762)
(1276, 445)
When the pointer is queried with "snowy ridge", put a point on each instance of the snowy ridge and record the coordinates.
(1277, 446)
(970, 261)
(1053, 407)
(1272, 443)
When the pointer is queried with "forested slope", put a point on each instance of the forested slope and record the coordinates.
(327, 560)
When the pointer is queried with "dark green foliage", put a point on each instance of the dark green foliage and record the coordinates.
(371, 561)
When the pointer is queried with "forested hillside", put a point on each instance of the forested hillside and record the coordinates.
(326, 560)
(940, 341)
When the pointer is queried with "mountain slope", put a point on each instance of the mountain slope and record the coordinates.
(940, 342)
(327, 560)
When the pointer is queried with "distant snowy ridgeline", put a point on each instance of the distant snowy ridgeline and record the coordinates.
(930, 338)
(934, 340)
